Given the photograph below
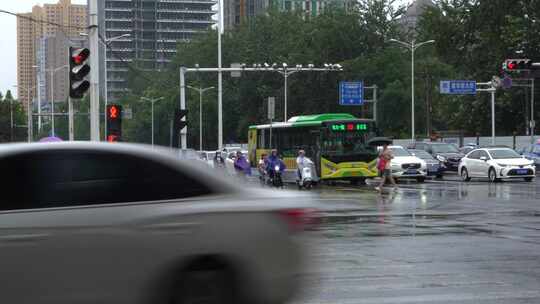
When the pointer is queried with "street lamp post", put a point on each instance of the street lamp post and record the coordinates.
(412, 46)
(286, 73)
(201, 91)
(52, 71)
(152, 101)
(11, 118)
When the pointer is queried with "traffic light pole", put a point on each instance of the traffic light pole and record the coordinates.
(70, 120)
(184, 70)
(183, 132)
(94, 70)
(491, 89)
(532, 123)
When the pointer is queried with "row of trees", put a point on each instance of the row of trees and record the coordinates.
(472, 40)
(10, 107)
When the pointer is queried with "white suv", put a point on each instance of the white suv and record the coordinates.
(496, 164)
(406, 165)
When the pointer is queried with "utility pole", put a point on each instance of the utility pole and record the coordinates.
(492, 90)
(220, 83)
(532, 123)
(70, 120)
(94, 70)
(11, 117)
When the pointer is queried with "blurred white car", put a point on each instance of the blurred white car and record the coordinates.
(208, 157)
(496, 164)
(119, 223)
(406, 165)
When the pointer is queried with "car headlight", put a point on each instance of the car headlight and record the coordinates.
(502, 165)
(441, 158)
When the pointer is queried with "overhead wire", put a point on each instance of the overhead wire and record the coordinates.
(61, 27)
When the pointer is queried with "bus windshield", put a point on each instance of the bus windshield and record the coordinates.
(346, 143)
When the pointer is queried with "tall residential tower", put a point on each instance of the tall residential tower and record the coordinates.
(31, 29)
(151, 30)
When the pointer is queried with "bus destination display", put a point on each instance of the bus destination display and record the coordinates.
(348, 127)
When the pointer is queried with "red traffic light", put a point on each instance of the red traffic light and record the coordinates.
(517, 65)
(79, 56)
(113, 138)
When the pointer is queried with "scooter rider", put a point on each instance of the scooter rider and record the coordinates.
(241, 165)
(301, 162)
(263, 162)
(219, 162)
(273, 161)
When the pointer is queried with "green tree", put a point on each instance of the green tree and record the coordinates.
(8, 105)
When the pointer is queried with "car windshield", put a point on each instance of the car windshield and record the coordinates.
(398, 151)
(444, 148)
(504, 154)
(422, 154)
(536, 149)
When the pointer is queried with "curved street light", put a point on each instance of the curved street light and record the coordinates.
(412, 46)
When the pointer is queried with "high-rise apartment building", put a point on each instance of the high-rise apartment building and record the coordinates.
(31, 28)
(410, 18)
(237, 11)
(149, 31)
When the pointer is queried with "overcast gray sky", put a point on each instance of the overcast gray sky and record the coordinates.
(8, 38)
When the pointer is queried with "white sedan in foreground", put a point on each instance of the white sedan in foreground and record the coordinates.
(119, 223)
(496, 164)
(406, 165)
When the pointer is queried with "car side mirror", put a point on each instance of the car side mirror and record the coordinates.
(483, 158)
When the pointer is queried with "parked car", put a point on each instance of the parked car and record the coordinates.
(406, 165)
(121, 223)
(208, 157)
(448, 154)
(434, 167)
(468, 148)
(532, 152)
(496, 164)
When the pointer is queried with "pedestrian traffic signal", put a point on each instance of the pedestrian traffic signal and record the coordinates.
(179, 123)
(517, 65)
(78, 70)
(114, 123)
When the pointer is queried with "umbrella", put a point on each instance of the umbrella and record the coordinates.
(50, 139)
(379, 141)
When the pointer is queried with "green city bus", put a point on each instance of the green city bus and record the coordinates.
(337, 144)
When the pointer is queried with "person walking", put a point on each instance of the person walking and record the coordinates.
(385, 167)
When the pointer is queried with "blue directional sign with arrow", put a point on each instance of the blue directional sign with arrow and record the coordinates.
(351, 93)
(458, 87)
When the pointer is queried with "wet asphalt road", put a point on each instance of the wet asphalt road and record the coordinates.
(437, 242)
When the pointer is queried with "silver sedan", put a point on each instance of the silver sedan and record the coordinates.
(118, 223)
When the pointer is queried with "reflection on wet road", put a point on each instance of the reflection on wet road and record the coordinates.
(439, 242)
